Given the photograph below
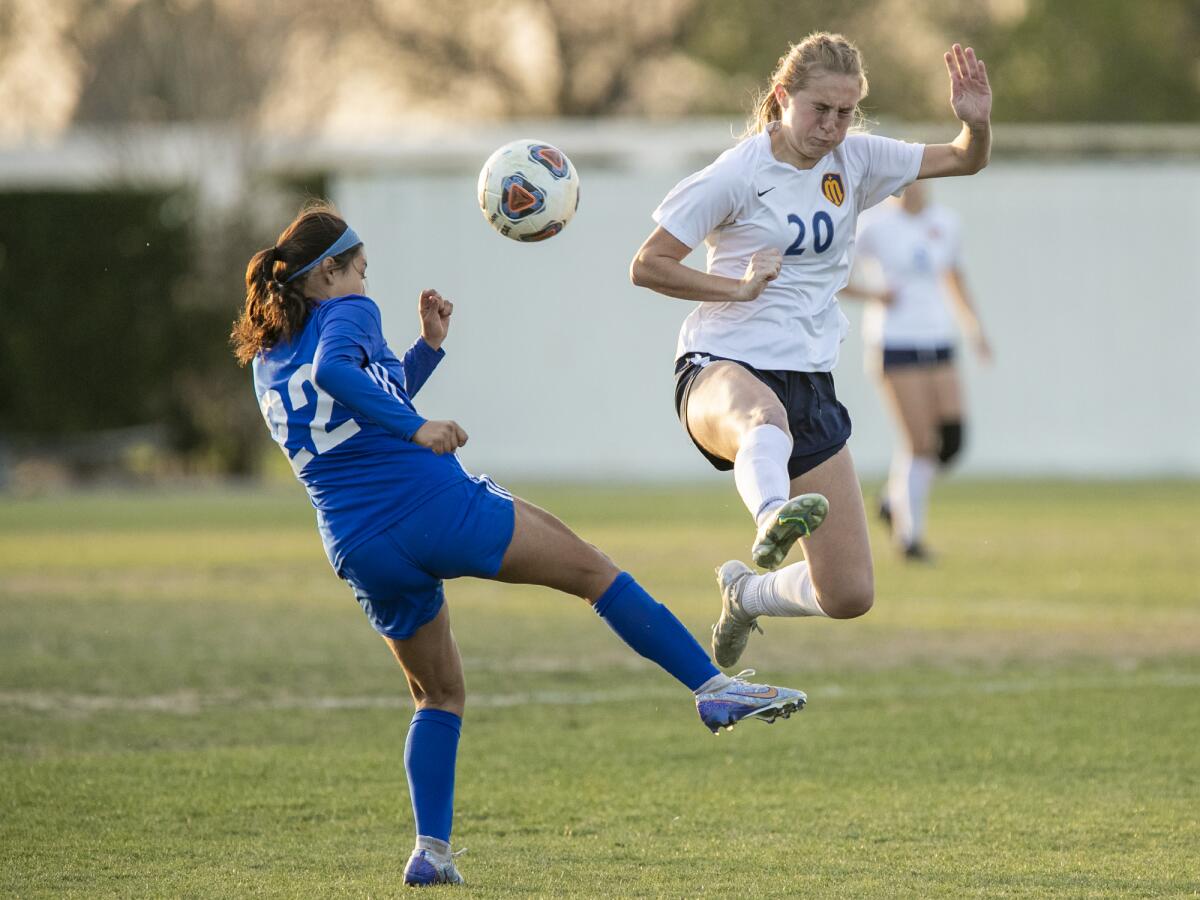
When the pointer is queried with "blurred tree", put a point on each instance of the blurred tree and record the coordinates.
(90, 336)
(1099, 61)
(1050, 60)
(309, 65)
(537, 57)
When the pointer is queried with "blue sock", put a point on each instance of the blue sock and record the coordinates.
(653, 631)
(429, 758)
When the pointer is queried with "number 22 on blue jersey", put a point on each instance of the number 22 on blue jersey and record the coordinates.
(322, 438)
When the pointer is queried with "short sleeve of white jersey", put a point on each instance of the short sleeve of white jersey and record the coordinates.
(702, 202)
(887, 165)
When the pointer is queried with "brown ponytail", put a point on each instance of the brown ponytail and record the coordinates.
(820, 52)
(275, 308)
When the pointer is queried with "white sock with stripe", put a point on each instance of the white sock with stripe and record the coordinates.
(760, 470)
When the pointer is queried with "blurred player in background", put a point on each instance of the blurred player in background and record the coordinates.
(753, 385)
(909, 329)
(398, 513)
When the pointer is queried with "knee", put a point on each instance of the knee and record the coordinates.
(950, 441)
(925, 444)
(848, 601)
(763, 415)
(447, 692)
(451, 698)
(596, 571)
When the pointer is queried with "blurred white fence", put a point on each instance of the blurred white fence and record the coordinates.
(1086, 271)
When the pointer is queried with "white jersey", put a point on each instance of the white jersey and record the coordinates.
(747, 201)
(914, 253)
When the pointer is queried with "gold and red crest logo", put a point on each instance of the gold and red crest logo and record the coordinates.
(833, 189)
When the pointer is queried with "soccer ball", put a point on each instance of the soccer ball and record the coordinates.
(528, 190)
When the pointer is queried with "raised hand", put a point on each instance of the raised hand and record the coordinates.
(440, 437)
(763, 267)
(970, 93)
(435, 311)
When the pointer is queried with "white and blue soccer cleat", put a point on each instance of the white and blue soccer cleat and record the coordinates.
(424, 868)
(797, 518)
(742, 700)
(732, 631)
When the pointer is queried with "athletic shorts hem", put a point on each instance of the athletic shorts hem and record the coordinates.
(905, 357)
(398, 575)
(819, 424)
(403, 634)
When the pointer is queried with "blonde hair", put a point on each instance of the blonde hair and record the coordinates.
(819, 53)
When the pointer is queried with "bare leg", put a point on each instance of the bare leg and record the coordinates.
(913, 400)
(433, 665)
(725, 403)
(913, 396)
(948, 396)
(839, 552)
(545, 551)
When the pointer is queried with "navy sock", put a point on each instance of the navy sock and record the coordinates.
(429, 757)
(653, 631)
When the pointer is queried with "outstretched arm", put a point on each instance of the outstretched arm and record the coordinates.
(971, 98)
(968, 314)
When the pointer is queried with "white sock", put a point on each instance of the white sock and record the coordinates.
(788, 592)
(920, 479)
(717, 683)
(908, 493)
(439, 848)
(760, 470)
(897, 494)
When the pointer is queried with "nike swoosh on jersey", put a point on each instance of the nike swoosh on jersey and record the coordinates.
(767, 191)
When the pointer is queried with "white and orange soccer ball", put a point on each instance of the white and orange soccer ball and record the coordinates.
(528, 190)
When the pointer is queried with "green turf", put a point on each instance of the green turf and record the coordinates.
(191, 704)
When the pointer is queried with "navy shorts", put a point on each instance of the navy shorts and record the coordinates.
(819, 424)
(906, 357)
(397, 574)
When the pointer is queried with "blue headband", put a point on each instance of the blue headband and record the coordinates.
(341, 245)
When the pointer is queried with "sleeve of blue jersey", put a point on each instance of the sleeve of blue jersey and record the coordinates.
(419, 362)
(349, 333)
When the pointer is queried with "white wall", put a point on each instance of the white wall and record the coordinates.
(1087, 275)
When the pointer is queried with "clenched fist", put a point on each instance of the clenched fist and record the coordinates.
(764, 267)
(440, 437)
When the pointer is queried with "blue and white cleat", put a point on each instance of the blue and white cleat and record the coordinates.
(424, 869)
(797, 518)
(742, 700)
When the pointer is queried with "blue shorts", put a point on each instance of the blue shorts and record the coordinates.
(819, 424)
(907, 357)
(397, 574)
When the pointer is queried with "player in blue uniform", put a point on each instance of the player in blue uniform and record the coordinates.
(398, 513)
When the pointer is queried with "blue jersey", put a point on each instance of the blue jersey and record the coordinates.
(339, 404)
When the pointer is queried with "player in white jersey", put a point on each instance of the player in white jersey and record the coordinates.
(777, 213)
(910, 331)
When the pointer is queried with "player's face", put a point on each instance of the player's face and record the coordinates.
(351, 278)
(815, 119)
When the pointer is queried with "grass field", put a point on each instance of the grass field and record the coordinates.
(191, 704)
